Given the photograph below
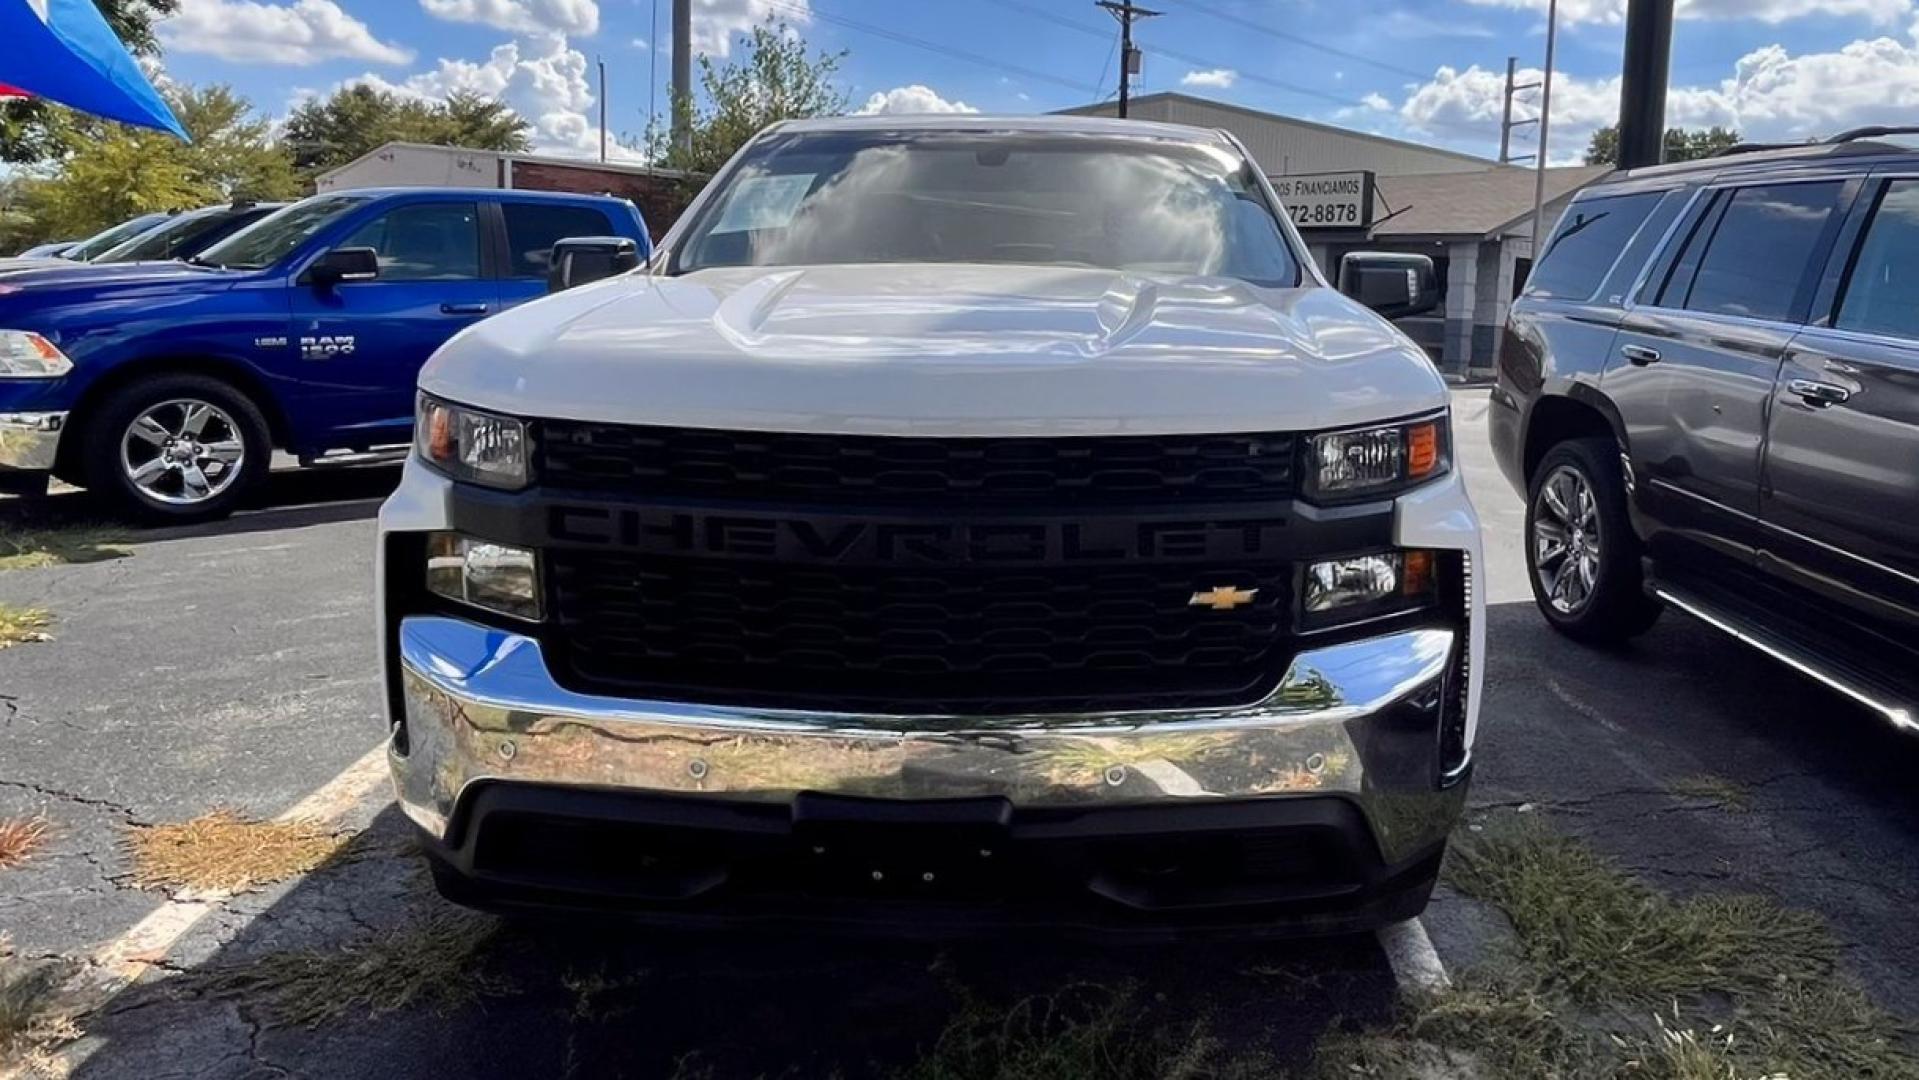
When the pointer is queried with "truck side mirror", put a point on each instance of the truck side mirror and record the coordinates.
(577, 260)
(1393, 284)
(344, 264)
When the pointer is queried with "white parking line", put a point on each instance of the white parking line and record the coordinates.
(115, 965)
(1415, 962)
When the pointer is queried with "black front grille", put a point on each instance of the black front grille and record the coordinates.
(892, 471)
(963, 639)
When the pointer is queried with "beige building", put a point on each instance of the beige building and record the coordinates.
(1353, 191)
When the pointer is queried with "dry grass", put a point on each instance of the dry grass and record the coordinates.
(20, 838)
(1598, 935)
(1082, 1031)
(222, 851)
(19, 626)
(29, 1022)
(31, 548)
(1617, 981)
(441, 964)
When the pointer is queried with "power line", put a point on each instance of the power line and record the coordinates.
(1127, 13)
(931, 46)
(1283, 35)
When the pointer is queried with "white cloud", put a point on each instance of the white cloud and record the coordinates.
(1573, 12)
(305, 32)
(1772, 95)
(1217, 78)
(912, 100)
(542, 78)
(717, 22)
(522, 16)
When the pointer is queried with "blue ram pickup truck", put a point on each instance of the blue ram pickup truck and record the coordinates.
(166, 386)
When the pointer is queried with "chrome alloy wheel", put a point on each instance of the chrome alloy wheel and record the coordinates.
(1566, 540)
(182, 452)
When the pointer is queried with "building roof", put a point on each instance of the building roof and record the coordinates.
(635, 168)
(1487, 203)
(1107, 108)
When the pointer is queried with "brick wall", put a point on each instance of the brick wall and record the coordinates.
(660, 198)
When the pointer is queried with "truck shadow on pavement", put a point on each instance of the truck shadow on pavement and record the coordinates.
(286, 499)
(359, 969)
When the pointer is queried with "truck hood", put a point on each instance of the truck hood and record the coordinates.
(941, 349)
(29, 273)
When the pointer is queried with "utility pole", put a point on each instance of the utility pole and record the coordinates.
(1507, 123)
(1545, 127)
(602, 64)
(1127, 13)
(683, 74)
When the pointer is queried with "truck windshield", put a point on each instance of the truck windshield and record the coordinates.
(273, 237)
(159, 242)
(1140, 204)
(98, 243)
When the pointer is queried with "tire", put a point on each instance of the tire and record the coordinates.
(1592, 589)
(216, 447)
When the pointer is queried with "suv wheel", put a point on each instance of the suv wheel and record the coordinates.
(1581, 550)
(176, 448)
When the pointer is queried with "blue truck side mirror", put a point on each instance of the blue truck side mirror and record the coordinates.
(577, 260)
(344, 264)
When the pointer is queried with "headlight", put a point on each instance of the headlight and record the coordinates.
(26, 355)
(1376, 461)
(468, 444)
(1363, 587)
(498, 577)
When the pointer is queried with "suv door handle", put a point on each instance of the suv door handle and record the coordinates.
(463, 309)
(1640, 354)
(1819, 394)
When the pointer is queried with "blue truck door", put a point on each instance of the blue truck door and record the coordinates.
(531, 230)
(368, 339)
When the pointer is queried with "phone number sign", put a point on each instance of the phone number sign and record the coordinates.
(1327, 200)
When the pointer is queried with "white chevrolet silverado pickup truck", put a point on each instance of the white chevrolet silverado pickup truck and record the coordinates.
(956, 521)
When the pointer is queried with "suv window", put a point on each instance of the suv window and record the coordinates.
(1589, 240)
(1755, 258)
(424, 242)
(1883, 295)
(533, 228)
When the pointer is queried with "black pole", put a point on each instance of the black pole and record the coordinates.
(1642, 91)
(683, 74)
(1126, 12)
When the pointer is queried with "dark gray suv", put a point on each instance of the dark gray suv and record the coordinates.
(1709, 395)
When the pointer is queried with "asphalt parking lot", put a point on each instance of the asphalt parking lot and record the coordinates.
(234, 666)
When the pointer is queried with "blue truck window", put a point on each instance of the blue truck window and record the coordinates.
(533, 228)
(424, 242)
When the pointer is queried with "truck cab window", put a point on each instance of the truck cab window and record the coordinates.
(424, 242)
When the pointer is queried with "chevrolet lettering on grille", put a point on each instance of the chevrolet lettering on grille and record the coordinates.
(859, 541)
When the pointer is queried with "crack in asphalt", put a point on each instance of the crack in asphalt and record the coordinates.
(44, 791)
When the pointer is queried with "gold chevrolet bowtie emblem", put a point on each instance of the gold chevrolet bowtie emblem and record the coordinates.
(1222, 598)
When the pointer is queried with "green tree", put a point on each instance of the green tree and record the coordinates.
(34, 131)
(233, 150)
(110, 172)
(329, 132)
(774, 79)
(1681, 144)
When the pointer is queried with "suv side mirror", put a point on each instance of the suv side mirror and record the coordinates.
(577, 260)
(344, 264)
(1390, 283)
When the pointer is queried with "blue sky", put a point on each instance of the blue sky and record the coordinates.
(1430, 70)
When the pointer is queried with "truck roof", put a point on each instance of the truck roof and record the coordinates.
(526, 194)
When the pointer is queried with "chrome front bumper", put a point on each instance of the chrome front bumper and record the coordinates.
(29, 441)
(1355, 720)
